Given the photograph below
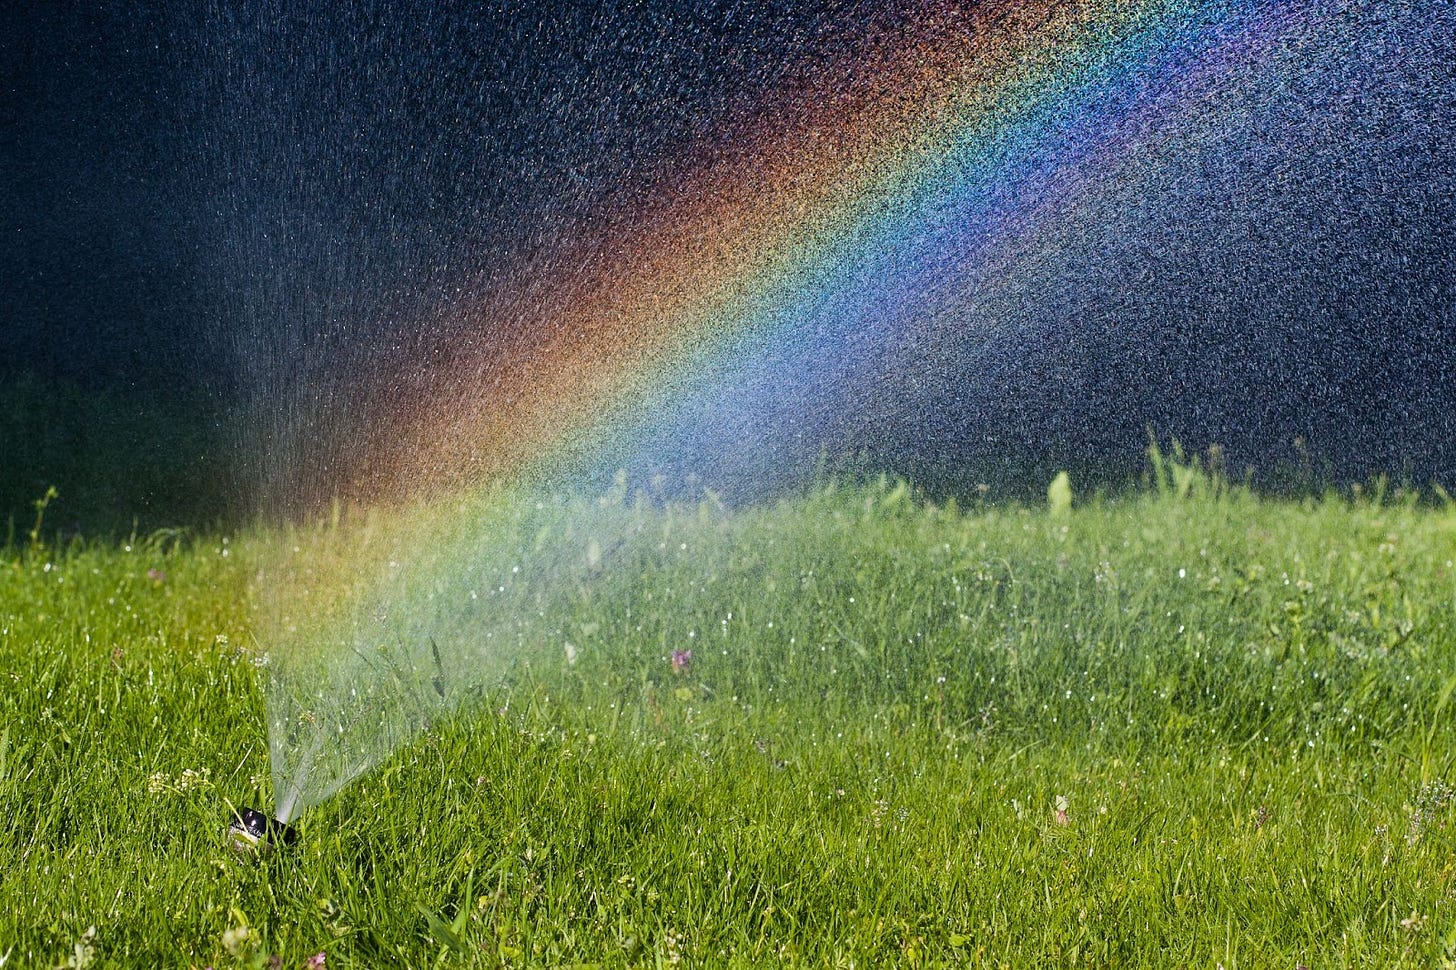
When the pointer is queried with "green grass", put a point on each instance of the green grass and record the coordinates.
(1244, 706)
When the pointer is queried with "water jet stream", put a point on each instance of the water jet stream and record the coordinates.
(866, 271)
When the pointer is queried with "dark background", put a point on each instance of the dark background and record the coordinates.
(202, 212)
(107, 383)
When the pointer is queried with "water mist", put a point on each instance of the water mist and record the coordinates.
(995, 235)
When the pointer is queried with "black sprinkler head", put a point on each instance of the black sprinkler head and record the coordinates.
(253, 832)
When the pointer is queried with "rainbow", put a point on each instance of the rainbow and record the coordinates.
(751, 303)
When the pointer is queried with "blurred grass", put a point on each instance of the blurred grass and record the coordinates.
(1244, 706)
(121, 460)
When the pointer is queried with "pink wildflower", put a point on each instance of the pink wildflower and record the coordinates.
(681, 661)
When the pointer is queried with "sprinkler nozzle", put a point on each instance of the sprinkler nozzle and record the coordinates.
(252, 832)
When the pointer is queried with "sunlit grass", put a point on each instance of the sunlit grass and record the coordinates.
(1185, 728)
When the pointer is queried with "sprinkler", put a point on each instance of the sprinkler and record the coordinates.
(253, 833)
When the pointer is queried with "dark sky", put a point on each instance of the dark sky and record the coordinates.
(190, 197)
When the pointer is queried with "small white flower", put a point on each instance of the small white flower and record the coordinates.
(235, 939)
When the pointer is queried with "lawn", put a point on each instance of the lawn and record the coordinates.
(1184, 727)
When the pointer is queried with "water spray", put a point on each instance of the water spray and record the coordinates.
(873, 280)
